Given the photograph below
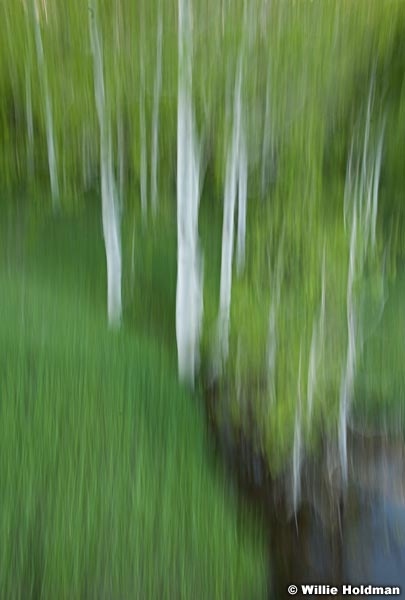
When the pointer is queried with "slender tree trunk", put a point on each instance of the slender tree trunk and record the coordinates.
(297, 447)
(273, 313)
(121, 156)
(266, 142)
(110, 211)
(142, 128)
(231, 179)
(189, 304)
(347, 383)
(242, 203)
(30, 122)
(376, 183)
(50, 139)
(363, 194)
(155, 124)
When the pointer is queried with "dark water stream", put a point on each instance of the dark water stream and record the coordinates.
(335, 539)
(369, 549)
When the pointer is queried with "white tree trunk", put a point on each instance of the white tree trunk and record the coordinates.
(155, 118)
(312, 370)
(376, 183)
(363, 193)
(121, 156)
(266, 142)
(189, 303)
(142, 128)
(297, 447)
(53, 172)
(110, 211)
(317, 345)
(231, 179)
(86, 158)
(347, 384)
(112, 238)
(242, 203)
(30, 122)
(272, 328)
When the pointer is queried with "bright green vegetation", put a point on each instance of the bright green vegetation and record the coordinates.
(311, 64)
(309, 69)
(106, 487)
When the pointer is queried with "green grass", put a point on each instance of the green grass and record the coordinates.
(311, 63)
(107, 489)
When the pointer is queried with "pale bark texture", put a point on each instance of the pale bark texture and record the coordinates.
(110, 209)
(189, 303)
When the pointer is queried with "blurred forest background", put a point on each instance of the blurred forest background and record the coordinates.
(194, 194)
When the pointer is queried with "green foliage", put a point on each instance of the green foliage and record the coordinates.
(105, 486)
(315, 61)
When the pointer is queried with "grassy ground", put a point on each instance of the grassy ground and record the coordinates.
(106, 487)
